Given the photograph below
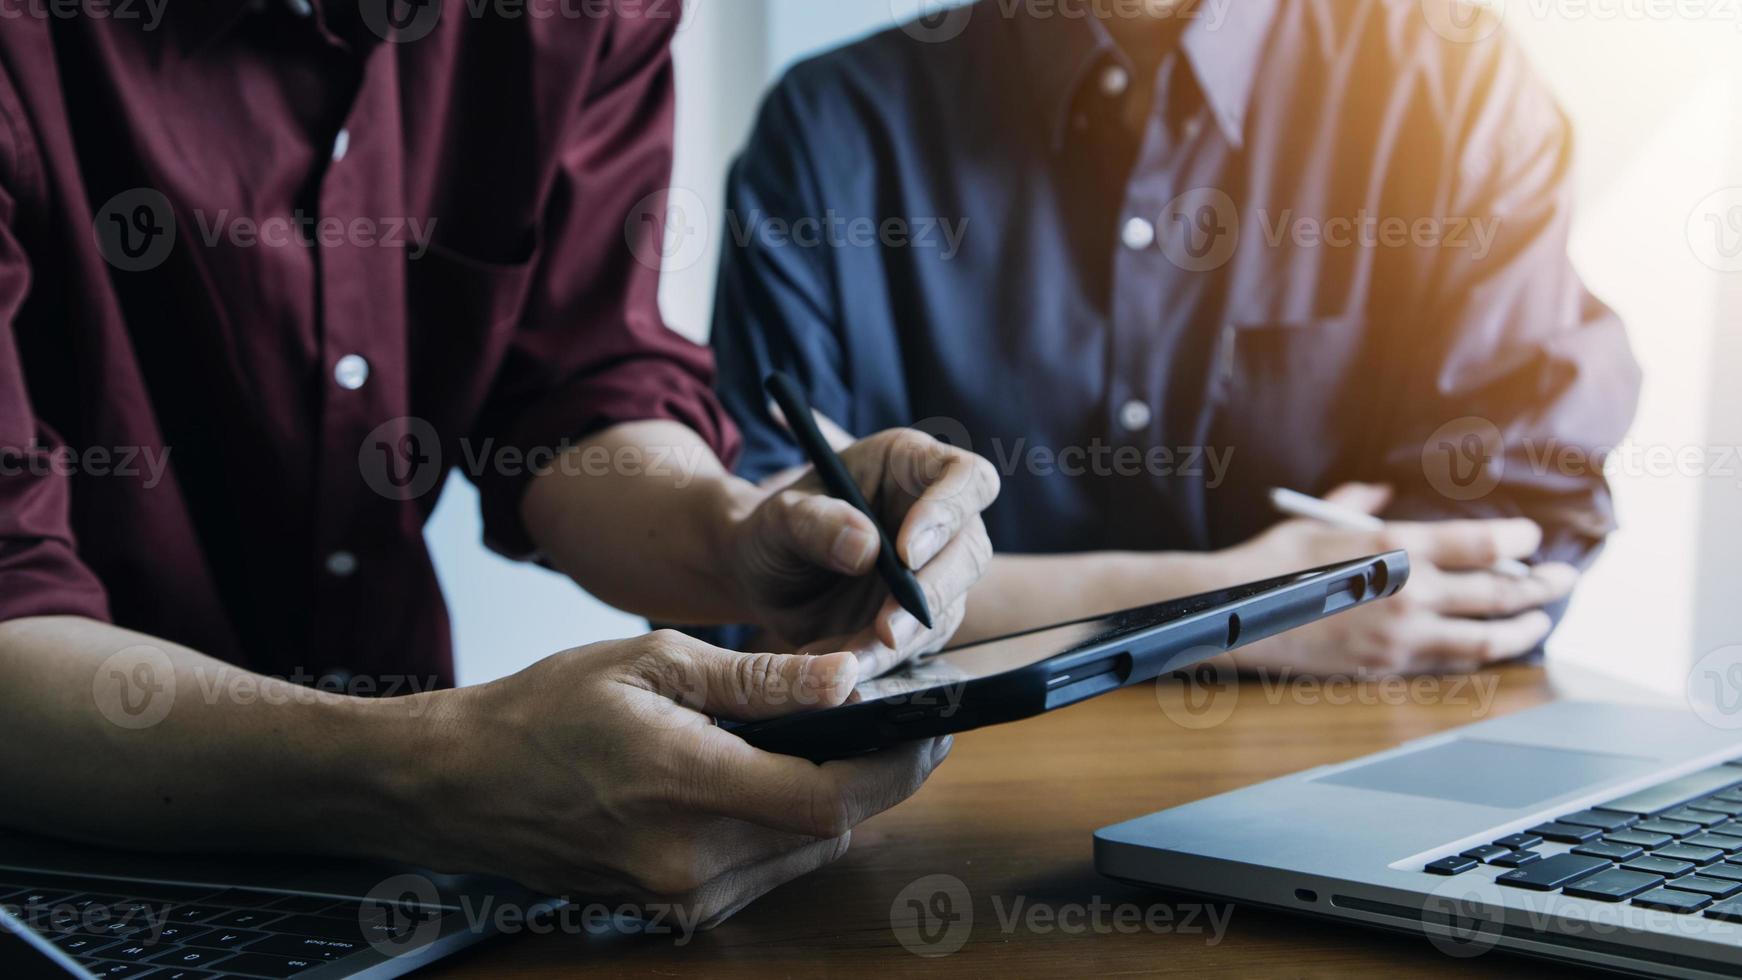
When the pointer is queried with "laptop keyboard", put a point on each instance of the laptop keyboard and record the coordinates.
(171, 932)
(1674, 847)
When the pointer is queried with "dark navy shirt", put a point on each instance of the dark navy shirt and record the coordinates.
(1333, 248)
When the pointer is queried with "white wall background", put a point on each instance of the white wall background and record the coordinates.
(1658, 107)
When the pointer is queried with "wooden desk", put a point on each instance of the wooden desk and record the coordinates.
(1011, 815)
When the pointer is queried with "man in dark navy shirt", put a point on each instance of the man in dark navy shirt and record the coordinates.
(1153, 259)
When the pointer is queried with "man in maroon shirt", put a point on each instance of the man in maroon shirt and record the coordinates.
(268, 271)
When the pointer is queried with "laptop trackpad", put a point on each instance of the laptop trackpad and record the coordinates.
(1496, 774)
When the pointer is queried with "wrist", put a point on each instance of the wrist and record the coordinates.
(408, 754)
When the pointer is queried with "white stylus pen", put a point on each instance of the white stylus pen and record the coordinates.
(1294, 504)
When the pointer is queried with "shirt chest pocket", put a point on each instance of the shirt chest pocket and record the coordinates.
(1290, 394)
(464, 314)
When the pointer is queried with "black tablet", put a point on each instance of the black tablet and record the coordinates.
(1031, 673)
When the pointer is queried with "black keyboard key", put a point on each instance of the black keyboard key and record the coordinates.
(1715, 887)
(1554, 872)
(1670, 900)
(1610, 851)
(1565, 833)
(77, 945)
(1518, 842)
(305, 904)
(1653, 865)
(109, 970)
(242, 898)
(1455, 864)
(1723, 842)
(1723, 869)
(305, 947)
(195, 913)
(163, 935)
(1638, 838)
(1730, 911)
(1667, 796)
(1711, 804)
(225, 938)
(1517, 859)
(186, 956)
(38, 898)
(1704, 818)
(371, 930)
(129, 950)
(1674, 828)
(1683, 852)
(1488, 852)
(181, 975)
(1613, 885)
(246, 919)
(1600, 819)
(263, 965)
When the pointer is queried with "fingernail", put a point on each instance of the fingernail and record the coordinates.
(940, 749)
(926, 545)
(854, 549)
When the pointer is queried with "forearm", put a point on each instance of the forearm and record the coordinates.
(641, 515)
(163, 748)
(1022, 592)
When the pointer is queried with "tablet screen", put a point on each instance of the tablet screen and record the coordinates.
(992, 657)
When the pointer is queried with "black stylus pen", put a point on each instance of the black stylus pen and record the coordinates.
(797, 409)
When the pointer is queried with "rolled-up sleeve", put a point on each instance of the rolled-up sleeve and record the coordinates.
(592, 350)
(1526, 378)
(40, 570)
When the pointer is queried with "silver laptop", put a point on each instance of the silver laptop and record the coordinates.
(79, 911)
(1599, 834)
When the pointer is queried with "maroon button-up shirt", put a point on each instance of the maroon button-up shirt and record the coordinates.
(266, 278)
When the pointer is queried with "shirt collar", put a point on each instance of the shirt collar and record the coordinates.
(1223, 45)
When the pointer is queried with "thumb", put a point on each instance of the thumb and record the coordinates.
(1368, 498)
(755, 686)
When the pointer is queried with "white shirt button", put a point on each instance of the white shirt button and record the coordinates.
(352, 372)
(341, 564)
(1138, 234)
(341, 145)
(1114, 81)
(301, 8)
(1135, 416)
(1192, 129)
